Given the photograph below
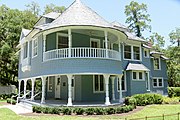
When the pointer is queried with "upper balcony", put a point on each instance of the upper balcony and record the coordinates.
(81, 43)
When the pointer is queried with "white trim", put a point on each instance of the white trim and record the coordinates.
(98, 84)
(147, 51)
(137, 75)
(60, 34)
(132, 52)
(34, 47)
(95, 40)
(125, 83)
(159, 63)
(104, 44)
(157, 78)
(148, 82)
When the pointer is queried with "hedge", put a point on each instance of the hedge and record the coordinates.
(5, 96)
(174, 91)
(82, 110)
(144, 99)
(9, 101)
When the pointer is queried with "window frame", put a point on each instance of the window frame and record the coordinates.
(57, 39)
(159, 63)
(146, 50)
(34, 47)
(132, 52)
(137, 75)
(99, 84)
(95, 40)
(25, 55)
(48, 83)
(125, 85)
(157, 79)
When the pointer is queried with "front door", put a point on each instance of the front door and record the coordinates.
(58, 87)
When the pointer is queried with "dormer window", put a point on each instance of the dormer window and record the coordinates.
(156, 63)
(35, 47)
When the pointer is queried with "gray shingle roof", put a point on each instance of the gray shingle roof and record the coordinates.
(25, 31)
(119, 25)
(79, 14)
(52, 15)
(134, 66)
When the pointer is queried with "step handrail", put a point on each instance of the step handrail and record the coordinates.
(23, 96)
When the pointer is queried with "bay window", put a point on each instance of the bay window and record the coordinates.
(25, 50)
(137, 75)
(35, 47)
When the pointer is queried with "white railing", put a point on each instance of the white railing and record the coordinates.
(81, 53)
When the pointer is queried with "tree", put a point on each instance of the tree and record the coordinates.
(11, 23)
(33, 7)
(175, 36)
(53, 8)
(157, 42)
(137, 18)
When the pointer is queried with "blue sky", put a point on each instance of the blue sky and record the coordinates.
(165, 14)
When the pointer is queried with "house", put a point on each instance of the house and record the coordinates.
(80, 57)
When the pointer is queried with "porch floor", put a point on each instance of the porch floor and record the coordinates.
(56, 103)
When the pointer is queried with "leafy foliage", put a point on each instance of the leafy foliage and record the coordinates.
(175, 36)
(137, 18)
(174, 91)
(53, 8)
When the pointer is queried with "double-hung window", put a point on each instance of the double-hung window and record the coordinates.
(50, 83)
(25, 50)
(158, 82)
(146, 53)
(136, 75)
(132, 52)
(35, 47)
(98, 83)
(156, 63)
(123, 83)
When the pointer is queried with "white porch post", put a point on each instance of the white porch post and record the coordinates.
(43, 89)
(106, 42)
(120, 89)
(19, 91)
(32, 91)
(69, 42)
(106, 77)
(25, 83)
(69, 90)
(44, 46)
(113, 93)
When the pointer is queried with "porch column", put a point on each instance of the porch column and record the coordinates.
(120, 89)
(25, 83)
(113, 93)
(106, 42)
(32, 91)
(106, 77)
(69, 90)
(43, 89)
(70, 41)
(19, 91)
(44, 45)
(120, 49)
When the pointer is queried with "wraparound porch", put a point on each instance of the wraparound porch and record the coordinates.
(102, 93)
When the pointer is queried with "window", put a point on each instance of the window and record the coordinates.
(132, 52)
(127, 52)
(50, 83)
(95, 43)
(146, 53)
(136, 51)
(98, 83)
(157, 82)
(35, 47)
(123, 83)
(156, 63)
(62, 41)
(137, 75)
(25, 50)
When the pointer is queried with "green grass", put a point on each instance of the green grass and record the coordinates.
(154, 110)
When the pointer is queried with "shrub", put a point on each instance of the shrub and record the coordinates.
(130, 101)
(57, 110)
(167, 100)
(110, 110)
(148, 98)
(79, 111)
(174, 91)
(37, 109)
(9, 101)
(67, 111)
(100, 111)
(90, 111)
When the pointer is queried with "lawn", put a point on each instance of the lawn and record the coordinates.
(154, 110)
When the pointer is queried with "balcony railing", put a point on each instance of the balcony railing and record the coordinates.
(81, 53)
